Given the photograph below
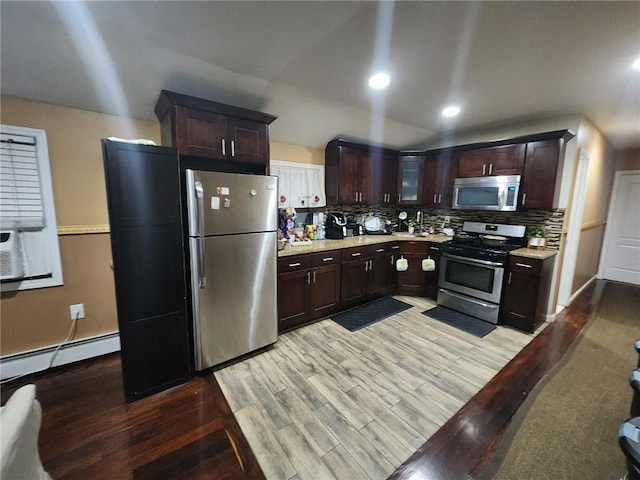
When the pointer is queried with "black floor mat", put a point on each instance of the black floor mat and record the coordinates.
(373, 312)
(461, 321)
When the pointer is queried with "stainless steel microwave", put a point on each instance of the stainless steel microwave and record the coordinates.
(499, 193)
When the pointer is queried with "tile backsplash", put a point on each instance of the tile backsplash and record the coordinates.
(552, 220)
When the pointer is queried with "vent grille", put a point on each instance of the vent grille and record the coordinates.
(11, 267)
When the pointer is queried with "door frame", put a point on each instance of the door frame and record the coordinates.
(608, 231)
(572, 241)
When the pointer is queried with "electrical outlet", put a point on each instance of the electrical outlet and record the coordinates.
(447, 219)
(77, 311)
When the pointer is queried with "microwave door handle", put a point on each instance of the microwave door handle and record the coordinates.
(502, 197)
(200, 229)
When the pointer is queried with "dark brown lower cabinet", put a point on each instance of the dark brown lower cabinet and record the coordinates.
(313, 286)
(364, 274)
(431, 290)
(143, 196)
(392, 274)
(526, 293)
(414, 280)
(308, 288)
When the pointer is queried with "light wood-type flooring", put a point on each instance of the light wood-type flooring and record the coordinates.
(327, 403)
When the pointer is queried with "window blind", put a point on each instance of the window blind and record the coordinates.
(21, 205)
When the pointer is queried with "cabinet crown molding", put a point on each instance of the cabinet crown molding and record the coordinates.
(168, 99)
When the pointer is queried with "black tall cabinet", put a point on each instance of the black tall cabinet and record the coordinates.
(143, 192)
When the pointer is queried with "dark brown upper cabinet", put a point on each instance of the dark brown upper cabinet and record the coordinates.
(203, 128)
(384, 175)
(438, 179)
(538, 189)
(357, 174)
(492, 161)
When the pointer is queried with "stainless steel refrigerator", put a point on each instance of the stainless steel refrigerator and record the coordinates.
(233, 253)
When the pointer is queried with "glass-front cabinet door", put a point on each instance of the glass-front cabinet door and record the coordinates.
(410, 178)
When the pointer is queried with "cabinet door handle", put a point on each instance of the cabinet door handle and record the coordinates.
(356, 196)
(327, 259)
(366, 266)
(378, 250)
(439, 198)
(484, 168)
(356, 254)
(297, 264)
(393, 259)
(308, 278)
(224, 148)
(399, 197)
(524, 198)
(233, 148)
(314, 276)
(434, 248)
(360, 197)
(370, 265)
(490, 168)
(434, 198)
(396, 247)
(509, 282)
(517, 314)
(523, 265)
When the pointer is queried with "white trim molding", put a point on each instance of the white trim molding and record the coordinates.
(38, 360)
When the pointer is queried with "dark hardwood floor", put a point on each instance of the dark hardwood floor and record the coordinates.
(88, 431)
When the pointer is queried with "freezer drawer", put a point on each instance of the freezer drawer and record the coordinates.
(234, 298)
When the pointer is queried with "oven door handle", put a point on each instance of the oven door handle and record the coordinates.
(473, 261)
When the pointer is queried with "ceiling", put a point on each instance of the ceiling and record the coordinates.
(308, 62)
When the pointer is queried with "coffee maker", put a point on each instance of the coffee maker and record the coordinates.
(336, 226)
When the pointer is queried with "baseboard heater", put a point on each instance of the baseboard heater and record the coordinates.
(33, 361)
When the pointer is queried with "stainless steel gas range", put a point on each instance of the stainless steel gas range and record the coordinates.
(472, 268)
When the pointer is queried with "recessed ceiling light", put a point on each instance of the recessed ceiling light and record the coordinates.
(636, 64)
(451, 111)
(379, 80)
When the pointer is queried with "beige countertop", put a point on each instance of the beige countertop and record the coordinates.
(324, 245)
(533, 253)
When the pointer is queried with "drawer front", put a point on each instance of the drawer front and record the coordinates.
(529, 266)
(379, 249)
(326, 258)
(414, 247)
(355, 253)
(293, 263)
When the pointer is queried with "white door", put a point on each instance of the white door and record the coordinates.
(621, 259)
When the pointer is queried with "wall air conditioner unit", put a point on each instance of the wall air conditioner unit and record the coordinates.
(11, 267)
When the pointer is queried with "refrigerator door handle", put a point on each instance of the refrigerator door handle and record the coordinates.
(200, 229)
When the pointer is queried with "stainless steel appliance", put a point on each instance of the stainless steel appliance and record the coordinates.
(471, 273)
(499, 193)
(354, 229)
(232, 247)
(336, 226)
